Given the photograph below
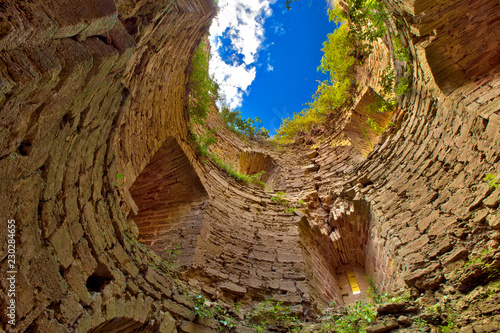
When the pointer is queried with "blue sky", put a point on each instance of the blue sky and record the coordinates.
(266, 57)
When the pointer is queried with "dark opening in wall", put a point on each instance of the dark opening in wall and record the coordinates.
(465, 42)
(252, 162)
(100, 279)
(171, 201)
(339, 254)
(122, 325)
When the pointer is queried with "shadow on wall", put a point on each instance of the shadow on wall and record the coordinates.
(171, 201)
(252, 162)
(338, 249)
(461, 50)
(123, 325)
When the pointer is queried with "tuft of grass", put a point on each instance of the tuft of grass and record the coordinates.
(203, 141)
(272, 312)
(231, 171)
(492, 180)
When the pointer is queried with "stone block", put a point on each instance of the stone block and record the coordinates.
(414, 275)
(167, 324)
(385, 326)
(70, 309)
(233, 288)
(189, 327)
(179, 310)
(414, 246)
(494, 219)
(62, 243)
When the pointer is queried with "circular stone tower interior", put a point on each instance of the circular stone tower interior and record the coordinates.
(112, 220)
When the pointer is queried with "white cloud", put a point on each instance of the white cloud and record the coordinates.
(242, 22)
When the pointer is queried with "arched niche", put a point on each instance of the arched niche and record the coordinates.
(171, 201)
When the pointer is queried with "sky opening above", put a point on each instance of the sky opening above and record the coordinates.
(265, 57)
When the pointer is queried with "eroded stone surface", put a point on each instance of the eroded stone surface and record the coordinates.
(87, 96)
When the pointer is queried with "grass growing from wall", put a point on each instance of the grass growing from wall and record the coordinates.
(203, 141)
(272, 312)
(203, 95)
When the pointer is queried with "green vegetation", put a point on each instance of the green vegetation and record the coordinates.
(366, 19)
(378, 297)
(281, 199)
(492, 180)
(372, 124)
(287, 4)
(251, 128)
(272, 312)
(203, 89)
(402, 87)
(484, 263)
(171, 255)
(203, 142)
(358, 317)
(387, 80)
(381, 106)
(119, 177)
(232, 172)
(331, 94)
(205, 309)
(400, 52)
(347, 46)
(203, 93)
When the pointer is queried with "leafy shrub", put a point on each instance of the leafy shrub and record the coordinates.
(171, 255)
(331, 94)
(366, 22)
(203, 89)
(271, 312)
(387, 80)
(203, 141)
(251, 128)
(381, 106)
(400, 52)
(359, 316)
(232, 172)
(402, 87)
(205, 309)
(202, 308)
(287, 4)
(372, 124)
(119, 177)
